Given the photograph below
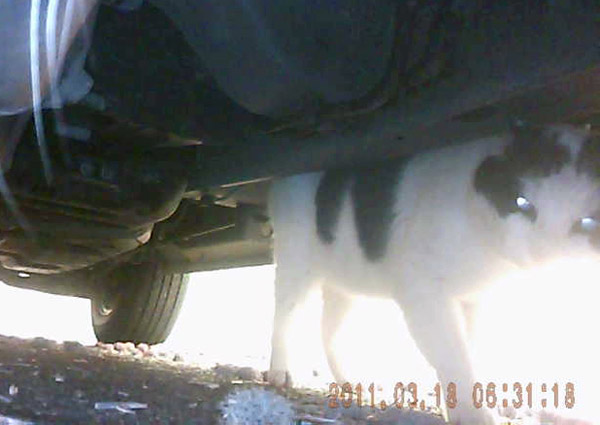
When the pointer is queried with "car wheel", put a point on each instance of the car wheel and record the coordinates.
(137, 302)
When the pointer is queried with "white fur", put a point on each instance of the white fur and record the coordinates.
(446, 240)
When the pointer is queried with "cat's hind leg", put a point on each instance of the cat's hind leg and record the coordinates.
(335, 306)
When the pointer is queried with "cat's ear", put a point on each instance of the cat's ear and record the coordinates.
(588, 159)
(536, 151)
(496, 179)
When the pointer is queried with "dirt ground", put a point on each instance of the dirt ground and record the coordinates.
(43, 382)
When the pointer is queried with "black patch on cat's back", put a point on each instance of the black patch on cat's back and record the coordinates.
(533, 152)
(328, 200)
(373, 192)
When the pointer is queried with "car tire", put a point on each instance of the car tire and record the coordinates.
(137, 302)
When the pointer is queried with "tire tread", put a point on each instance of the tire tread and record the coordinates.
(152, 303)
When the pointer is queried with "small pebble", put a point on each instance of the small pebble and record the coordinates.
(211, 385)
(143, 347)
(249, 374)
(39, 343)
(225, 372)
(106, 348)
(130, 346)
(120, 346)
(72, 346)
(13, 390)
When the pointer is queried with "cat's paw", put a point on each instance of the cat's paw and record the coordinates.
(279, 378)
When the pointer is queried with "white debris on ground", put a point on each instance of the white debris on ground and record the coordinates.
(256, 406)
(121, 406)
(5, 420)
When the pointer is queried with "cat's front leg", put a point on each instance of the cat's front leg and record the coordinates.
(434, 323)
(292, 285)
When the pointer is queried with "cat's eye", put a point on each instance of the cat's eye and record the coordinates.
(523, 203)
(526, 207)
(589, 225)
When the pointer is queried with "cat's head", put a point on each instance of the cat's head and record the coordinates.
(544, 190)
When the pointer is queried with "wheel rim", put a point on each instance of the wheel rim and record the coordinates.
(105, 307)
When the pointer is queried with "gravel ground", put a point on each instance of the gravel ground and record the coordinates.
(43, 382)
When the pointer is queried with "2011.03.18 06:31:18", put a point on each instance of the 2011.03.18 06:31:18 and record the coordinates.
(491, 395)
(494, 395)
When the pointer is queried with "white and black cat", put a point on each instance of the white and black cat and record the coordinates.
(429, 230)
